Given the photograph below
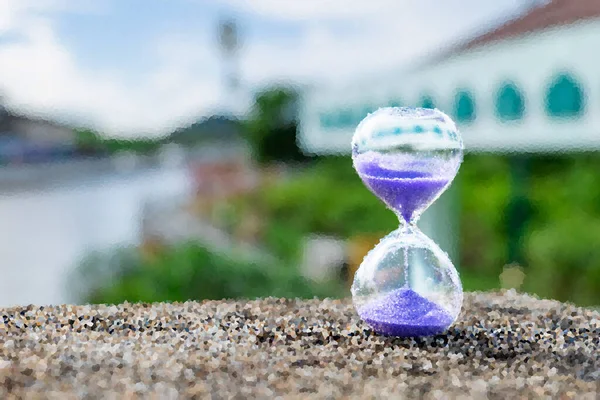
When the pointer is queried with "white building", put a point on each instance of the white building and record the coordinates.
(530, 85)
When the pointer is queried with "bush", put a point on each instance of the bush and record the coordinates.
(561, 257)
(192, 272)
(325, 198)
(328, 198)
(484, 186)
(562, 260)
(562, 250)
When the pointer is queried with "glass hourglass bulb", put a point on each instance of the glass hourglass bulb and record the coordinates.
(406, 285)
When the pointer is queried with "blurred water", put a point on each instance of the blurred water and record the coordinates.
(45, 233)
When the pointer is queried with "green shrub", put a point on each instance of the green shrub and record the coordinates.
(328, 198)
(484, 186)
(192, 272)
(562, 260)
(561, 245)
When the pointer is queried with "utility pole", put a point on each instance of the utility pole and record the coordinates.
(229, 42)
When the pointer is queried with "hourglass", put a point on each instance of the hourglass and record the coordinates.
(406, 285)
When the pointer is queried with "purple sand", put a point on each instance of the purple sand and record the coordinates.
(403, 312)
(404, 191)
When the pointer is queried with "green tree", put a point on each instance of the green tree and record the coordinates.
(88, 141)
(273, 124)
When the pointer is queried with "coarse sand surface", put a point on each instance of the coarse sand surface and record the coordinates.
(504, 345)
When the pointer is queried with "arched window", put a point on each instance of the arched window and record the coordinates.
(345, 118)
(427, 102)
(510, 104)
(564, 97)
(464, 106)
(326, 120)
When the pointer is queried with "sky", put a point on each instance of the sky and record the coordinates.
(145, 67)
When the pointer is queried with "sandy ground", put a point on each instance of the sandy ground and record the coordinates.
(504, 345)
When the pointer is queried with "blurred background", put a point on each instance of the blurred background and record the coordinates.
(197, 149)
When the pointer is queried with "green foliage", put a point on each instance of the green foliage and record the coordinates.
(139, 146)
(284, 241)
(484, 185)
(191, 272)
(273, 124)
(328, 198)
(90, 142)
(565, 263)
(562, 259)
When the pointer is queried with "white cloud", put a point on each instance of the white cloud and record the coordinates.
(317, 10)
(385, 35)
(373, 11)
(14, 12)
(39, 73)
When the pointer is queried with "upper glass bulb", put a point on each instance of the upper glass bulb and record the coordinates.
(407, 157)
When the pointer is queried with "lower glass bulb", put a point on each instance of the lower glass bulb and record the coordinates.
(407, 286)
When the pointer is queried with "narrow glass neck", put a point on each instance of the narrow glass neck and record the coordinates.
(410, 225)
